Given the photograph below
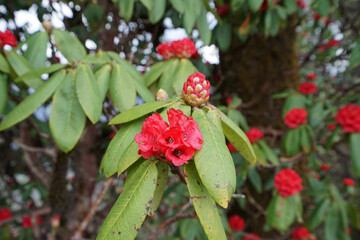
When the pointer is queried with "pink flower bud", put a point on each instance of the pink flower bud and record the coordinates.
(196, 90)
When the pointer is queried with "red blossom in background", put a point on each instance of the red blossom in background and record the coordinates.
(311, 76)
(349, 118)
(325, 167)
(254, 135)
(333, 43)
(252, 236)
(5, 213)
(321, 48)
(112, 135)
(236, 223)
(317, 16)
(295, 117)
(287, 182)
(196, 90)
(177, 142)
(301, 233)
(184, 48)
(228, 100)
(307, 88)
(27, 223)
(165, 50)
(332, 127)
(7, 38)
(222, 10)
(301, 4)
(265, 5)
(348, 182)
(231, 147)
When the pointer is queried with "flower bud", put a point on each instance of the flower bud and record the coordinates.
(47, 26)
(196, 90)
(161, 95)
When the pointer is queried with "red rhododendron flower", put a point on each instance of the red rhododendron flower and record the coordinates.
(176, 142)
(196, 90)
(301, 233)
(112, 135)
(325, 167)
(222, 10)
(236, 223)
(196, 55)
(184, 48)
(5, 213)
(307, 88)
(165, 50)
(349, 118)
(265, 5)
(332, 127)
(228, 100)
(254, 135)
(327, 21)
(333, 43)
(252, 236)
(321, 48)
(231, 147)
(317, 16)
(349, 182)
(301, 4)
(27, 222)
(311, 76)
(7, 38)
(287, 182)
(295, 117)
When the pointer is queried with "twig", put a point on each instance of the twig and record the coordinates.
(176, 218)
(32, 213)
(293, 159)
(181, 175)
(48, 151)
(89, 216)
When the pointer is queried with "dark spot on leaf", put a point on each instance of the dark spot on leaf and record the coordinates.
(136, 229)
(197, 181)
(157, 185)
(154, 181)
(147, 208)
(113, 232)
(217, 185)
(150, 201)
(119, 233)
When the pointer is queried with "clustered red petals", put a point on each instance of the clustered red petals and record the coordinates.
(307, 88)
(301, 4)
(295, 117)
(325, 167)
(254, 135)
(252, 236)
(7, 38)
(27, 222)
(311, 76)
(265, 5)
(222, 10)
(333, 43)
(5, 213)
(301, 233)
(348, 182)
(231, 147)
(332, 127)
(184, 48)
(287, 182)
(176, 142)
(236, 223)
(349, 118)
(196, 90)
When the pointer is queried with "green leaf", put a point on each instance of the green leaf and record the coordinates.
(139, 111)
(179, 5)
(281, 12)
(204, 205)
(203, 26)
(354, 58)
(88, 92)
(122, 89)
(260, 156)
(3, 92)
(236, 4)
(67, 119)
(118, 146)
(166, 79)
(255, 179)
(239, 119)
(333, 224)
(281, 213)
(290, 6)
(305, 139)
(213, 161)
(33, 101)
(190, 15)
(254, 5)
(317, 215)
(68, 45)
(129, 211)
(323, 7)
(148, 3)
(237, 138)
(269, 153)
(183, 71)
(126, 8)
(268, 22)
(158, 10)
(37, 72)
(355, 153)
(156, 71)
(129, 157)
(353, 213)
(298, 207)
(4, 65)
(316, 114)
(21, 66)
(103, 78)
(292, 142)
(223, 37)
(36, 49)
(162, 169)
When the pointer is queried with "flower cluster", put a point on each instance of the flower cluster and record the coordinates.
(331, 43)
(349, 118)
(254, 135)
(5, 213)
(222, 10)
(307, 88)
(311, 76)
(184, 48)
(302, 233)
(348, 182)
(301, 4)
(287, 182)
(236, 223)
(196, 90)
(176, 142)
(295, 117)
(252, 236)
(27, 223)
(325, 167)
(7, 38)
